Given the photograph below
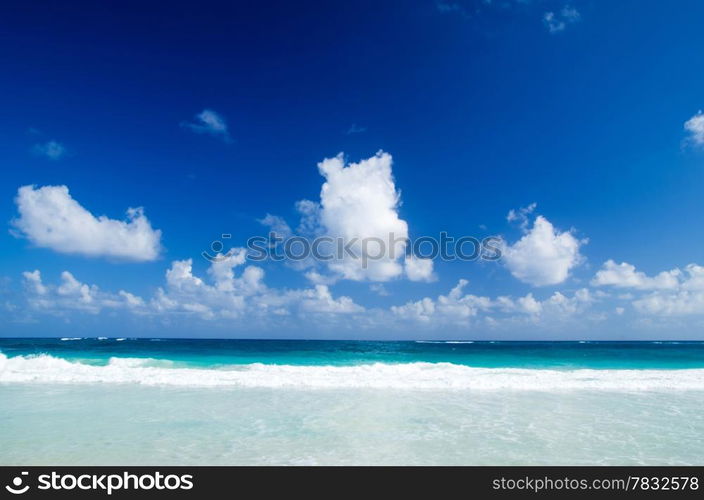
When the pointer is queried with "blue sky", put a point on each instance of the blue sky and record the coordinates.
(587, 109)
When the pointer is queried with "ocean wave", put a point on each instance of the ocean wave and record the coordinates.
(439, 376)
(444, 341)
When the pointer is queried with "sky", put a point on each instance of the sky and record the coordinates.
(134, 136)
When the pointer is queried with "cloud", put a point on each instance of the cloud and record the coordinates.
(455, 307)
(450, 8)
(521, 215)
(544, 255)
(680, 303)
(356, 224)
(310, 218)
(624, 275)
(209, 122)
(50, 218)
(277, 225)
(227, 295)
(379, 289)
(355, 129)
(695, 127)
(359, 203)
(676, 292)
(72, 295)
(233, 296)
(458, 307)
(51, 149)
(321, 300)
(558, 22)
(418, 269)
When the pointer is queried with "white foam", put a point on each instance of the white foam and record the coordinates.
(48, 369)
(71, 338)
(444, 341)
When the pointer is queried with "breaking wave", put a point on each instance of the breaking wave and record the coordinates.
(440, 376)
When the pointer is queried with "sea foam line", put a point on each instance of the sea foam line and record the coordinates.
(441, 376)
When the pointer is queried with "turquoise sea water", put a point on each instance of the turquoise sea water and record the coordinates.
(159, 401)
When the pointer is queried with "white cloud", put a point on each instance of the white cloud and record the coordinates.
(72, 295)
(359, 203)
(379, 289)
(695, 127)
(310, 218)
(50, 218)
(458, 307)
(360, 234)
(421, 310)
(521, 215)
(243, 296)
(276, 225)
(558, 22)
(544, 255)
(209, 122)
(419, 269)
(51, 149)
(187, 293)
(679, 303)
(677, 292)
(33, 282)
(455, 307)
(320, 279)
(624, 275)
(321, 300)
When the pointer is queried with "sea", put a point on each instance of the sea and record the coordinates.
(159, 401)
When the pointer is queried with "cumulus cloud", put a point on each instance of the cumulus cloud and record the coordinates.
(679, 303)
(227, 295)
(624, 275)
(418, 269)
(676, 292)
(359, 205)
(544, 255)
(695, 127)
(236, 295)
(557, 22)
(230, 291)
(359, 233)
(51, 149)
(455, 307)
(209, 122)
(72, 295)
(320, 299)
(50, 218)
(458, 307)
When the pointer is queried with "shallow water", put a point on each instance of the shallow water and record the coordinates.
(129, 424)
